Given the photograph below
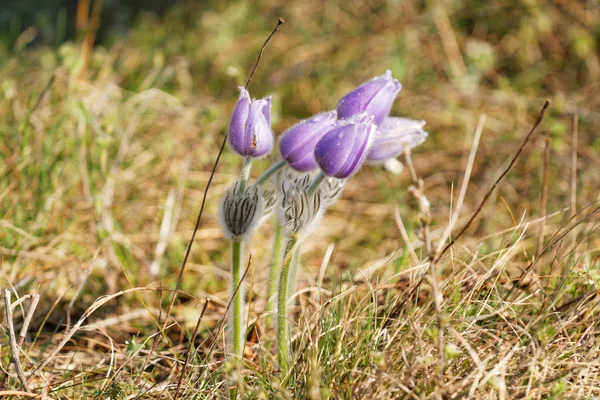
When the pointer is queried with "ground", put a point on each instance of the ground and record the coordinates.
(100, 149)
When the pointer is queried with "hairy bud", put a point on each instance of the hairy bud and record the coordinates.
(331, 190)
(241, 211)
(299, 210)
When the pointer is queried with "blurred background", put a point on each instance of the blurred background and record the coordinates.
(109, 109)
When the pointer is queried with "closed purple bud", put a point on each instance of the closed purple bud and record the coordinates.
(375, 97)
(297, 144)
(250, 132)
(342, 150)
(393, 135)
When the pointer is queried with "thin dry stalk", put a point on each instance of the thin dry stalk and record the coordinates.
(12, 341)
(280, 21)
(573, 194)
(192, 346)
(449, 42)
(465, 182)
(219, 325)
(32, 306)
(405, 238)
(163, 236)
(96, 305)
(8, 393)
(191, 242)
(544, 200)
(438, 299)
(497, 182)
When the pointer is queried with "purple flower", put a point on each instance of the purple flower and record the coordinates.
(375, 97)
(342, 150)
(393, 135)
(250, 132)
(297, 144)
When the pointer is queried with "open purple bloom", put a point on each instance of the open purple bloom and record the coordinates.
(250, 132)
(392, 135)
(375, 97)
(342, 150)
(297, 144)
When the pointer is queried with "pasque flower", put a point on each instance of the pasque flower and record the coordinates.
(375, 97)
(393, 135)
(297, 144)
(343, 150)
(241, 210)
(250, 132)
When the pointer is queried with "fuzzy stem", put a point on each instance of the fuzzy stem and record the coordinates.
(282, 310)
(238, 298)
(269, 173)
(275, 266)
(245, 175)
(315, 184)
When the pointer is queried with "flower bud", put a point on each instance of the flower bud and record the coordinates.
(270, 197)
(297, 144)
(331, 190)
(241, 211)
(299, 210)
(375, 97)
(250, 132)
(342, 151)
(393, 135)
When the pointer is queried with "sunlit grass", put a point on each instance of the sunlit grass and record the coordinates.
(87, 166)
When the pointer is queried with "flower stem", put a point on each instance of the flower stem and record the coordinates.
(245, 175)
(315, 184)
(238, 298)
(275, 267)
(268, 173)
(282, 310)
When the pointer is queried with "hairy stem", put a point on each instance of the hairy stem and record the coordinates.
(315, 184)
(237, 298)
(275, 266)
(269, 173)
(282, 310)
(245, 175)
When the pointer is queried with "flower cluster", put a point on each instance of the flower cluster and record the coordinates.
(319, 155)
(358, 131)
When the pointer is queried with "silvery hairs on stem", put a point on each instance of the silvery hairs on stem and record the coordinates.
(270, 198)
(299, 210)
(331, 190)
(241, 211)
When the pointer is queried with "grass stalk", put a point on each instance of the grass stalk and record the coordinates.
(282, 309)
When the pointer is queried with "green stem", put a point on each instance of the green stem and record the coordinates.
(269, 173)
(282, 310)
(238, 298)
(315, 184)
(245, 175)
(275, 267)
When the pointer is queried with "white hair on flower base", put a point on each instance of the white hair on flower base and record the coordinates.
(241, 211)
(298, 209)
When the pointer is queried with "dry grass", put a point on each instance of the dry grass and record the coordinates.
(98, 173)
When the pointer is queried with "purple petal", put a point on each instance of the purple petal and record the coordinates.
(393, 135)
(237, 125)
(258, 139)
(300, 140)
(358, 155)
(305, 164)
(267, 109)
(334, 147)
(374, 97)
(382, 102)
